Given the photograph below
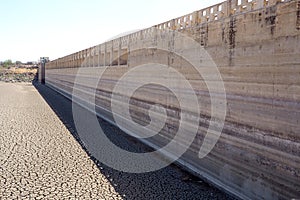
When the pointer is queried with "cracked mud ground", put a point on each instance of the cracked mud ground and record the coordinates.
(40, 158)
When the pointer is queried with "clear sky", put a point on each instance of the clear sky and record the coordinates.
(30, 29)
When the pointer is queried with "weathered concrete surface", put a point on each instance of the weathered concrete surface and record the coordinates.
(39, 158)
(255, 45)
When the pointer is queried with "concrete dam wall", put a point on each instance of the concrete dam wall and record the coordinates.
(250, 48)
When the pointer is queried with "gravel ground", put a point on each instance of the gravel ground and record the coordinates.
(40, 157)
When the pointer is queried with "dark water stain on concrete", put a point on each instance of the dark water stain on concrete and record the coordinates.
(298, 16)
(231, 37)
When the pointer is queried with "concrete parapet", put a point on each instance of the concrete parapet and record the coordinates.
(201, 17)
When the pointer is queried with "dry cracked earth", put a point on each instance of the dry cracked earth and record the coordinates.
(40, 157)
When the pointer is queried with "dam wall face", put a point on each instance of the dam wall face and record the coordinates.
(254, 45)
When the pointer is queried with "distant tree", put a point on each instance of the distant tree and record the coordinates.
(7, 63)
(18, 63)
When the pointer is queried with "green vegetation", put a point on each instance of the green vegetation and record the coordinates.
(7, 63)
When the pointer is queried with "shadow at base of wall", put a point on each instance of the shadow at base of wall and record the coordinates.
(168, 183)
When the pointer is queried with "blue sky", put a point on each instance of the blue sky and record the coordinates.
(30, 29)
